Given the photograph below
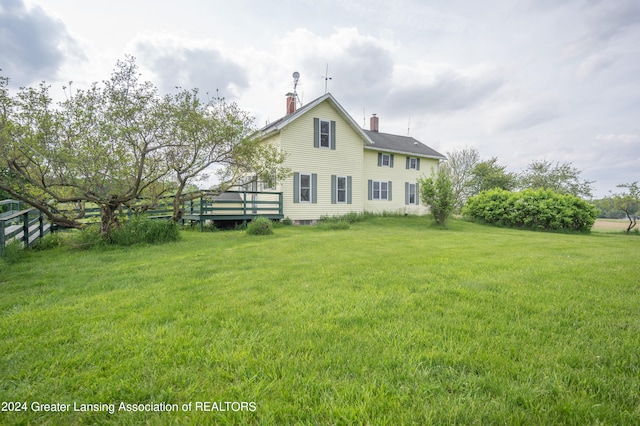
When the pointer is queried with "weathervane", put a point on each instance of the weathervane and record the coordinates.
(326, 78)
(296, 78)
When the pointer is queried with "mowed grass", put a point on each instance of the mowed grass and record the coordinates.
(390, 322)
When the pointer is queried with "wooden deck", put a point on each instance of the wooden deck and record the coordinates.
(234, 206)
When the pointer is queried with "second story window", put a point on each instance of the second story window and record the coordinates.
(413, 163)
(324, 134)
(385, 160)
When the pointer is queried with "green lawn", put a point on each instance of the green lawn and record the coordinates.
(390, 322)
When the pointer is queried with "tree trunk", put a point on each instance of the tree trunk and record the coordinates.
(108, 219)
(632, 221)
(177, 201)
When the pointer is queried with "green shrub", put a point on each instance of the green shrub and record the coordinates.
(260, 226)
(437, 193)
(540, 209)
(287, 221)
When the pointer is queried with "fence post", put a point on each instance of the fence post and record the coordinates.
(1, 238)
(25, 230)
(280, 206)
(244, 205)
(41, 225)
(201, 213)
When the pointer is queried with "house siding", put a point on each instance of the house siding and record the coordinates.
(297, 141)
(398, 175)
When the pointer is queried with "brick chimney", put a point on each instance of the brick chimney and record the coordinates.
(373, 124)
(291, 103)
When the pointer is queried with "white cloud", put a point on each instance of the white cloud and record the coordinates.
(33, 44)
(180, 62)
(625, 138)
(521, 81)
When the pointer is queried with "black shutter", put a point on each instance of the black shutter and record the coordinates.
(333, 135)
(316, 133)
(314, 188)
(407, 199)
(333, 188)
(296, 187)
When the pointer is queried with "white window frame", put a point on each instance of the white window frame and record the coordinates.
(321, 141)
(388, 160)
(413, 192)
(413, 163)
(383, 188)
(343, 190)
(309, 188)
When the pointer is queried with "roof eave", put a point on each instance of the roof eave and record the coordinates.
(393, 151)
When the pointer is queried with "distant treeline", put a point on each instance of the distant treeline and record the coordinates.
(607, 210)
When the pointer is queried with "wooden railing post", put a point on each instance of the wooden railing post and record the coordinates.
(25, 229)
(280, 204)
(1, 237)
(244, 204)
(41, 225)
(201, 213)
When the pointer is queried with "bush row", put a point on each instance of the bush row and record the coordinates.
(537, 209)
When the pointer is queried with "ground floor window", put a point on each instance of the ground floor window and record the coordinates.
(411, 193)
(305, 187)
(341, 189)
(379, 190)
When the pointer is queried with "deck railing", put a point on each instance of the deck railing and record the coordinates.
(233, 206)
(26, 226)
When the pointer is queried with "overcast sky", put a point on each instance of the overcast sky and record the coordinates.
(519, 80)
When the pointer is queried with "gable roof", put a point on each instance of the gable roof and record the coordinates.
(277, 125)
(373, 140)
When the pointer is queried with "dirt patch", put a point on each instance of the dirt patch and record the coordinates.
(611, 224)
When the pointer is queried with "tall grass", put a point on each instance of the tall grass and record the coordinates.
(393, 322)
(137, 230)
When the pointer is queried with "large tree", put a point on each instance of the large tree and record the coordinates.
(112, 145)
(461, 164)
(103, 145)
(488, 175)
(215, 133)
(562, 178)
